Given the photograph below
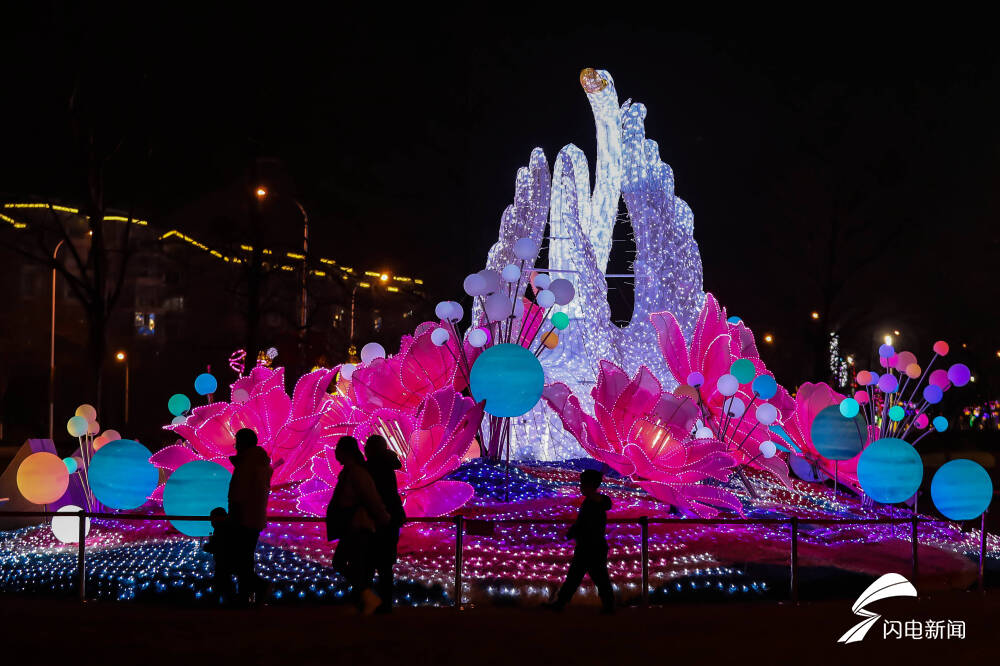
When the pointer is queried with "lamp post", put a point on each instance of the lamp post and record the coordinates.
(305, 265)
(262, 194)
(52, 347)
(123, 357)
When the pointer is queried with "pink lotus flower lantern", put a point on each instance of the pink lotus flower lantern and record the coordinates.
(402, 381)
(810, 400)
(643, 432)
(738, 399)
(430, 443)
(292, 429)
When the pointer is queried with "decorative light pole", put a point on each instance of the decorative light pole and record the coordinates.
(52, 347)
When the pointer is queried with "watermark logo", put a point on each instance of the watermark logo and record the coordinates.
(893, 585)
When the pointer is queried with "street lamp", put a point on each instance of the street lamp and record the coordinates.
(815, 315)
(768, 338)
(121, 357)
(262, 193)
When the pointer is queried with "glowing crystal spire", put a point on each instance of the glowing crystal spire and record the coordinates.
(580, 223)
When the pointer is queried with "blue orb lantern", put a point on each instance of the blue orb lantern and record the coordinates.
(764, 386)
(961, 489)
(205, 384)
(194, 489)
(178, 404)
(890, 470)
(509, 378)
(121, 475)
(835, 436)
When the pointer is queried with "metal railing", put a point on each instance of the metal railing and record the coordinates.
(643, 522)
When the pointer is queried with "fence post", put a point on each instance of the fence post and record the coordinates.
(644, 525)
(982, 552)
(459, 529)
(81, 555)
(914, 543)
(795, 561)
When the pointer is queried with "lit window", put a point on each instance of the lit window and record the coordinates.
(145, 323)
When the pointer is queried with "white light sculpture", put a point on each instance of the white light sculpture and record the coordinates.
(579, 224)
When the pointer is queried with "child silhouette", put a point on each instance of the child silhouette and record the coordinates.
(591, 553)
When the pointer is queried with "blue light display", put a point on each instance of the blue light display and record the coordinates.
(194, 489)
(835, 436)
(961, 489)
(890, 470)
(205, 384)
(765, 387)
(509, 378)
(121, 475)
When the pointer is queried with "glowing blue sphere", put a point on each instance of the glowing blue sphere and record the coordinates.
(194, 489)
(835, 436)
(205, 384)
(896, 413)
(743, 370)
(940, 423)
(765, 387)
(961, 489)
(509, 378)
(121, 475)
(890, 470)
(933, 394)
(849, 408)
(71, 465)
(178, 404)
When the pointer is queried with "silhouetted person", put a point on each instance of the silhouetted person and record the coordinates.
(382, 465)
(248, 492)
(355, 511)
(591, 553)
(222, 545)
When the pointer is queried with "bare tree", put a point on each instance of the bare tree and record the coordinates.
(87, 247)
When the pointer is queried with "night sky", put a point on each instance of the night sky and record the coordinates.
(403, 142)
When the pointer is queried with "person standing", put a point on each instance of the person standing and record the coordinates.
(382, 465)
(248, 492)
(354, 513)
(591, 553)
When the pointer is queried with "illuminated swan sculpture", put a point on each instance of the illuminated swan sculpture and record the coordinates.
(578, 223)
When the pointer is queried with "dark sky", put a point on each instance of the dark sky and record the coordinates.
(403, 142)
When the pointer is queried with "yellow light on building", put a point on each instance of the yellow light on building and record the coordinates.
(815, 315)
(768, 338)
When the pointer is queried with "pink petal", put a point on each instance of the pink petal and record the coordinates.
(438, 499)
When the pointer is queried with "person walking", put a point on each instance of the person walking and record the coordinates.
(382, 465)
(354, 513)
(591, 553)
(248, 492)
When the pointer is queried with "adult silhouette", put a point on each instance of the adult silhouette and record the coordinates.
(382, 465)
(248, 492)
(354, 513)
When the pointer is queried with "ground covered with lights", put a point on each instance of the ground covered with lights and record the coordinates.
(521, 563)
